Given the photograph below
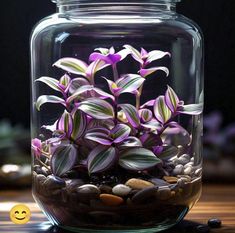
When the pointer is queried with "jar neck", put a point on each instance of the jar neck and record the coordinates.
(108, 7)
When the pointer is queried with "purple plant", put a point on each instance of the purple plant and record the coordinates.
(98, 132)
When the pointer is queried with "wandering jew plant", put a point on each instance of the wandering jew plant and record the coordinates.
(95, 131)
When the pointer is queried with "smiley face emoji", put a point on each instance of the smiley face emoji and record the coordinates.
(20, 214)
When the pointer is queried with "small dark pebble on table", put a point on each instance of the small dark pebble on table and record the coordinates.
(214, 223)
(202, 229)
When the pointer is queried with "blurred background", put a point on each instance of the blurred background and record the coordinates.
(217, 21)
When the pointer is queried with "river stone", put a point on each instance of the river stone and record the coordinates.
(111, 200)
(170, 179)
(214, 223)
(105, 189)
(54, 184)
(87, 192)
(145, 195)
(73, 184)
(138, 183)
(45, 171)
(198, 172)
(188, 170)
(184, 159)
(159, 182)
(164, 193)
(121, 190)
(178, 169)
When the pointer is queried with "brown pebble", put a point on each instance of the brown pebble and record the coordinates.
(111, 200)
(170, 179)
(138, 184)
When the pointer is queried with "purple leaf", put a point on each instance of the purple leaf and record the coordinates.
(120, 132)
(138, 159)
(77, 83)
(191, 109)
(131, 114)
(146, 72)
(49, 99)
(145, 115)
(156, 55)
(97, 108)
(94, 67)
(79, 124)
(65, 123)
(113, 86)
(123, 53)
(99, 135)
(101, 159)
(152, 125)
(72, 65)
(65, 82)
(130, 142)
(51, 82)
(150, 140)
(63, 159)
(94, 123)
(134, 53)
(149, 103)
(129, 83)
(161, 111)
(171, 99)
(90, 91)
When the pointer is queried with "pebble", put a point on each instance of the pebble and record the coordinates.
(87, 192)
(159, 182)
(138, 183)
(54, 184)
(183, 159)
(214, 223)
(188, 170)
(180, 183)
(73, 184)
(144, 195)
(164, 193)
(178, 169)
(198, 172)
(121, 190)
(111, 200)
(170, 179)
(203, 229)
(45, 171)
(105, 189)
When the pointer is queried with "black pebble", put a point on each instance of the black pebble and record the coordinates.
(214, 223)
(203, 229)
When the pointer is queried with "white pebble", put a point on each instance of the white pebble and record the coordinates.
(188, 170)
(121, 190)
(178, 169)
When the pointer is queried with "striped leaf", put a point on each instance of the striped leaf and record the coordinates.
(77, 83)
(72, 65)
(51, 82)
(97, 108)
(138, 159)
(161, 111)
(99, 135)
(171, 99)
(101, 159)
(146, 72)
(129, 83)
(134, 53)
(63, 159)
(168, 152)
(120, 132)
(130, 142)
(146, 115)
(192, 109)
(131, 114)
(48, 99)
(65, 123)
(79, 124)
(156, 55)
(94, 67)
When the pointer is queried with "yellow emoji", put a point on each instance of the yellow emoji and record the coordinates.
(20, 214)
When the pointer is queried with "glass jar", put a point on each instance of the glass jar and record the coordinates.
(117, 101)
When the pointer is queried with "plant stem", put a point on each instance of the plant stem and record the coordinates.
(115, 72)
(138, 95)
(43, 164)
(116, 110)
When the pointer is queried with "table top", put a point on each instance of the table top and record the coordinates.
(217, 201)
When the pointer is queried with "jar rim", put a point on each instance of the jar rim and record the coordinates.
(117, 1)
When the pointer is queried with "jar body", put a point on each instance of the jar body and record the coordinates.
(112, 153)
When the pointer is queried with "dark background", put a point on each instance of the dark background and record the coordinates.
(216, 19)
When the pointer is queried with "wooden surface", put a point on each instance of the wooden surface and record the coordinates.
(216, 201)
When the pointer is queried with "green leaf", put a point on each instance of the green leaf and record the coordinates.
(48, 99)
(171, 99)
(168, 152)
(63, 159)
(138, 159)
(51, 82)
(101, 158)
(131, 114)
(97, 108)
(192, 109)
